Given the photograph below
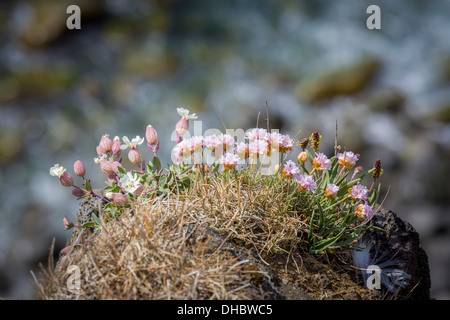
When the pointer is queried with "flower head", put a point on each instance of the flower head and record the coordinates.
(130, 182)
(306, 182)
(358, 192)
(321, 162)
(211, 142)
(68, 224)
(347, 159)
(257, 148)
(290, 169)
(242, 150)
(331, 191)
(184, 113)
(57, 170)
(133, 143)
(229, 160)
(257, 134)
(364, 211)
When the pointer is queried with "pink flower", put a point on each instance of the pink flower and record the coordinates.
(287, 144)
(358, 192)
(306, 182)
(347, 159)
(68, 224)
(196, 144)
(321, 162)
(364, 212)
(79, 169)
(290, 170)
(182, 149)
(211, 142)
(331, 191)
(77, 192)
(257, 148)
(242, 150)
(227, 142)
(257, 134)
(229, 161)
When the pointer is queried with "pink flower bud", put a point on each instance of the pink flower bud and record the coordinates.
(66, 179)
(106, 143)
(116, 147)
(134, 155)
(139, 190)
(111, 178)
(106, 166)
(151, 135)
(79, 168)
(100, 151)
(182, 126)
(115, 165)
(77, 192)
(67, 250)
(119, 199)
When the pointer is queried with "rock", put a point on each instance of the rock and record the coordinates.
(345, 81)
(442, 114)
(48, 23)
(387, 100)
(401, 243)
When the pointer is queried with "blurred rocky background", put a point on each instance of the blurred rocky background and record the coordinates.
(134, 62)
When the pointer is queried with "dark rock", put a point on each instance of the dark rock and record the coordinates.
(401, 242)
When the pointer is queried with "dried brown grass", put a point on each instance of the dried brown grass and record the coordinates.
(161, 248)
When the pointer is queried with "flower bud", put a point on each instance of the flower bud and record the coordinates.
(77, 192)
(106, 143)
(302, 157)
(182, 126)
(66, 250)
(134, 155)
(119, 199)
(304, 143)
(116, 150)
(111, 178)
(277, 168)
(115, 166)
(66, 179)
(68, 224)
(100, 151)
(138, 190)
(377, 170)
(106, 167)
(151, 135)
(79, 168)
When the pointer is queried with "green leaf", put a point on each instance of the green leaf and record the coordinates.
(88, 224)
(156, 163)
(122, 171)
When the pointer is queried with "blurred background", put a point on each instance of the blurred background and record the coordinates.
(134, 62)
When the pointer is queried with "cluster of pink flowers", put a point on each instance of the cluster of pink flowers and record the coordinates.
(259, 143)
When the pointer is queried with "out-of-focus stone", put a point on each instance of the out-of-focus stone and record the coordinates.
(388, 100)
(49, 20)
(344, 81)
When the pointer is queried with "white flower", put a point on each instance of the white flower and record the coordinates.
(130, 182)
(131, 144)
(57, 170)
(185, 114)
(99, 159)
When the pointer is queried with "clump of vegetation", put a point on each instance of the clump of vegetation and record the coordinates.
(151, 240)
